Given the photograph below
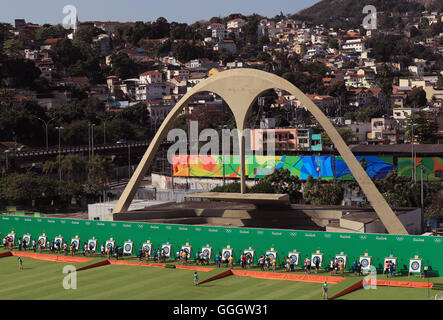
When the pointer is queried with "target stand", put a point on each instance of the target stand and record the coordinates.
(315, 257)
(127, 248)
(92, 245)
(294, 258)
(110, 245)
(27, 237)
(226, 254)
(41, 240)
(342, 258)
(76, 242)
(147, 246)
(365, 262)
(11, 238)
(415, 266)
(271, 254)
(187, 249)
(58, 242)
(250, 253)
(166, 249)
(207, 253)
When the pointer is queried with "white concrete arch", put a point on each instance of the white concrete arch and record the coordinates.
(239, 88)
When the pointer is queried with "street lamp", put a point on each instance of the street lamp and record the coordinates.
(45, 124)
(91, 139)
(59, 153)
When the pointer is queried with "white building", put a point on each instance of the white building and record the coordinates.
(152, 91)
(218, 30)
(236, 23)
(355, 45)
(151, 77)
(226, 44)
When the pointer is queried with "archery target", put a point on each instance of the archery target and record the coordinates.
(27, 237)
(316, 257)
(415, 266)
(92, 245)
(250, 254)
(394, 260)
(226, 253)
(365, 263)
(166, 248)
(207, 252)
(148, 247)
(271, 254)
(76, 243)
(41, 240)
(342, 258)
(11, 237)
(58, 242)
(110, 245)
(127, 248)
(294, 257)
(187, 249)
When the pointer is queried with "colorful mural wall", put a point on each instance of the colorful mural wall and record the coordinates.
(432, 168)
(377, 167)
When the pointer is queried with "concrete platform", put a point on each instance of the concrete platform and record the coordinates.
(254, 198)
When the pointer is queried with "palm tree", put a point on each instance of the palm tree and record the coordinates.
(73, 165)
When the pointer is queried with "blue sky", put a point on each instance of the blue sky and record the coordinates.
(50, 11)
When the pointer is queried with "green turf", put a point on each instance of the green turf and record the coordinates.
(43, 280)
(390, 293)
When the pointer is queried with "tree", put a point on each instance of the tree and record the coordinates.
(12, 47)
(417, 97)
(69, 190)
(424, 129)
(123, 66)
(318, 192)
(23, 189)
(366, 114)
(346, 133)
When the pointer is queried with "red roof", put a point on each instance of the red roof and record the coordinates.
(150, 73)
(53, 40)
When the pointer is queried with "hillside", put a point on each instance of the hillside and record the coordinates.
(348, 13)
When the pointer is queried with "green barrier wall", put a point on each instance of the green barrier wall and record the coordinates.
(378, 246)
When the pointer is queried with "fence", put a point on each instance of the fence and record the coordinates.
(378, 246)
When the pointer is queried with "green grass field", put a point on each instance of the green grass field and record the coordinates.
(43, 280)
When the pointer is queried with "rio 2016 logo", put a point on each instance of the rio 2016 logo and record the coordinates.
(70, 19)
